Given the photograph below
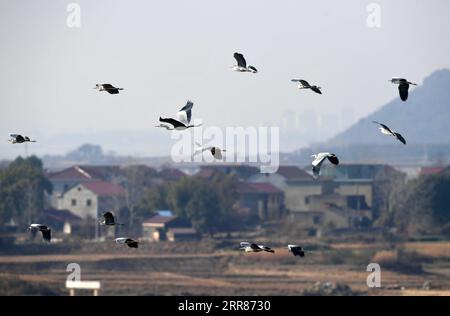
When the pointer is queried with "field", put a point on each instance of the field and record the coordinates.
(201, 269)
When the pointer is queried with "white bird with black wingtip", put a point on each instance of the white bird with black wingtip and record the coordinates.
(214, 150)
(303, 84)
(19, 139)
(107, 87)
(46, 231)
(296, 250)
(403, 87)
(387, 131)
(252, 247)
(127, 241)
(242, 64)
(183, 119)
(319, 159)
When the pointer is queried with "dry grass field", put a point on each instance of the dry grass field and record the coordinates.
(185, 269)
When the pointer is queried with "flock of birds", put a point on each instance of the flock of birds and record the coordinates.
(109, 220)
(296, 250)
(183, 122)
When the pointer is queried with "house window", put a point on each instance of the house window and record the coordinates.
(307, 200)
(74, 202)
(316, 220)
(88, 202)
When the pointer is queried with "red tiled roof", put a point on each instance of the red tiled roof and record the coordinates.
(293, 172)
(105, 188)
(431, 170)
(171, 173)
(242, 170)
(206, 173)
(245, 187)
(72, 173)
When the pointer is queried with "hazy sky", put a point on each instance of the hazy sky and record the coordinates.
(165, 52)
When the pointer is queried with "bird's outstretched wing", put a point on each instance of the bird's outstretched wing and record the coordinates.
(297, 251)
(403, 89)
(253, 68)
(397, 80)
(172, 121)
(317, 163)
(110, 88)
(268, 249)
(305, 83)
(216, 152)
(333, 159)
(240, 60)
(316, 89)
(185, 114)
(109, 218)
(131, 243)
(255, 247)
(319, 159)
(47, 234)
(198, 150)
(383, 126)
(20, 139)
(400, 137)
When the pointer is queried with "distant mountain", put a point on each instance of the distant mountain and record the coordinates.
(423, 119)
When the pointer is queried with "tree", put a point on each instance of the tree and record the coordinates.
(22, 187)
(207, 204)
(137, 180)
(423, 206)
(388, 185)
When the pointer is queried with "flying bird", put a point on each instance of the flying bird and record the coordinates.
(242, 64)
(296, 250)
(303, 84)
(128, 241)
(108, 220)
(251, 247)
(183, 119)
(319, 159)
(19, 139)
(387, 131)
(46, 231)
(214, 150)
(403, 87)
(108, 88)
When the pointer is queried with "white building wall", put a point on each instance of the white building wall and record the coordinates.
(81, 208)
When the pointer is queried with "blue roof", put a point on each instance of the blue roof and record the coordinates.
(165, 213)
